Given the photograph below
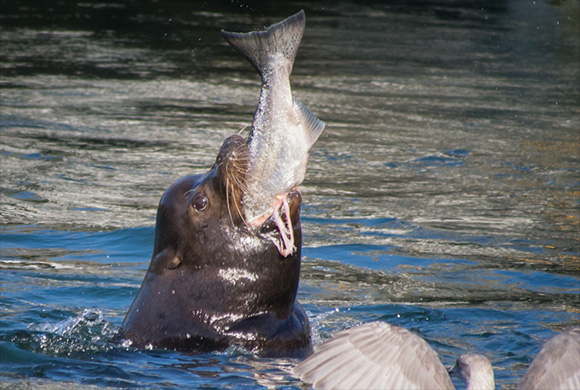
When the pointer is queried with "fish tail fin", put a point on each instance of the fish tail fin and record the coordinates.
(309, 121)
(259, 47)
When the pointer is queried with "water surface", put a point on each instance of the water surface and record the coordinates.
(443, 196)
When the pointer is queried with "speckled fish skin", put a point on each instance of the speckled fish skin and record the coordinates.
(283, 129)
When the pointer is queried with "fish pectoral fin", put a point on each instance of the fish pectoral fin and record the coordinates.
(310, 123)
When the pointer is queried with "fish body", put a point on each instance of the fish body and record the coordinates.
(283, 129)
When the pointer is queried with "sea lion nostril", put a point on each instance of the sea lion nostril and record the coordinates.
(234, 148)
(233, 159)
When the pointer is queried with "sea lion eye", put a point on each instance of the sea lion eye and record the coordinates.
(199, 202)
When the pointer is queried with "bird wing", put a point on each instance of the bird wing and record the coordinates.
(375, 355)
(557, 366)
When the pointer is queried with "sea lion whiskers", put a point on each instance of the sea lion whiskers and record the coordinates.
(228, 200)
(241, 214)
(237, 185)
(242, 171)
(242, 129)
(238, 210)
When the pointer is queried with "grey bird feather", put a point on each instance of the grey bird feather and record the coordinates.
(381, 356)
(375, 355)
(557, 365)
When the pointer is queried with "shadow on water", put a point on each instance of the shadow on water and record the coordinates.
(441, 197)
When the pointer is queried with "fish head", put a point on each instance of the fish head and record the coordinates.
(294, 198)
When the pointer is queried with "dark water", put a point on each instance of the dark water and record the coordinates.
(443, 195)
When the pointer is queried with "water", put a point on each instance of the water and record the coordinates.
(443, 196)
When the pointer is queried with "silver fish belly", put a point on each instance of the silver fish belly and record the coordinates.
(283, 129)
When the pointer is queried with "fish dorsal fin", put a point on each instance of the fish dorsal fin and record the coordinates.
(280, 38)
(309, 122)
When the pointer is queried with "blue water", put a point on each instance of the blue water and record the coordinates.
(65, 293)
(443, 196)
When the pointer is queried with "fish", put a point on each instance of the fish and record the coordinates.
(283, 129)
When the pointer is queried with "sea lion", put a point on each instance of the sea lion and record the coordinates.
(215, 281)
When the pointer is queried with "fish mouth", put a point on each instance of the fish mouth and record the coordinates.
(268, 223)
(294, 197)
(283, 224)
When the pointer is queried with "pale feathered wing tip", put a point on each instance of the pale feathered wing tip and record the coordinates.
(374, 356)
(557, 365)
(260, 46)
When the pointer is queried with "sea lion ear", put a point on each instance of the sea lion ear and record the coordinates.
(232, 163)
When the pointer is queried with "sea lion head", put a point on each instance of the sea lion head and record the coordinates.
(213, 281)
(198, 212)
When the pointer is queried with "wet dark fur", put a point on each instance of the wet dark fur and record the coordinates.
(212, 281)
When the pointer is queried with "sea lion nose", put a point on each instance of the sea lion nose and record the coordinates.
(233, 157)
